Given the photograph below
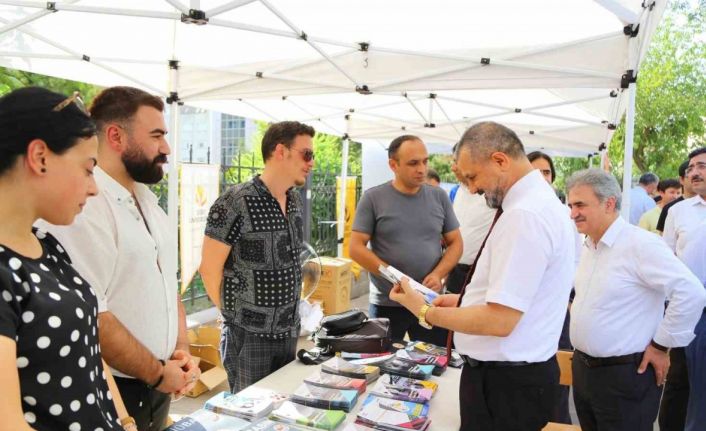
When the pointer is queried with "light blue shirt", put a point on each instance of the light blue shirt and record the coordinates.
(640, 203)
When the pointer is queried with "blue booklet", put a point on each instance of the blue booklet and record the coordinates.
(204, 420)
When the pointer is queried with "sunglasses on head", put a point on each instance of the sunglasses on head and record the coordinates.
(75, 98)
(307, 154)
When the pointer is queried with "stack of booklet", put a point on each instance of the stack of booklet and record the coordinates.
(204, 420)
(325, 398)
(404, 388)
(335, 381)
(407, 368)
(342, 367)
(439, 362)
(269, 425)
(393, 415)
(250, 403)
(432, 349)
(293, 413)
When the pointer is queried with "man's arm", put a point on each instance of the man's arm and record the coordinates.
(360, 252)
(126, 354)
(213, 258)
(454, 248)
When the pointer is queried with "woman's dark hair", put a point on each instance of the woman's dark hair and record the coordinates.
(534, 155)
(29, 113)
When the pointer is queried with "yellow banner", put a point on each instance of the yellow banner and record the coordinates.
(350, 213)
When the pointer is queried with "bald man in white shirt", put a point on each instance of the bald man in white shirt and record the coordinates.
(618, 326)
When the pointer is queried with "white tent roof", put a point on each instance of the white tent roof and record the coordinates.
(551, 69)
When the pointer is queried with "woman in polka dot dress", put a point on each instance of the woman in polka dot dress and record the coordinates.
(51, 374)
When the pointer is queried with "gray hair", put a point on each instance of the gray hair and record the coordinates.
(604, 185)
(487, 137)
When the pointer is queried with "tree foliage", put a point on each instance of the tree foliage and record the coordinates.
(12, 79)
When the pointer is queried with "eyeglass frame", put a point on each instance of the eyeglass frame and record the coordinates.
(696, 166)
(307, 154)
(75, 98)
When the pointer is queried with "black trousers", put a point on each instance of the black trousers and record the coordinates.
(402, 322)
(561, 404)
(148, 407)
(615, 397)
(518, 398)
(455, 279)
(672, 409)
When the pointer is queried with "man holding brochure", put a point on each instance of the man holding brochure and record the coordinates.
(404, 221)
(510, 315)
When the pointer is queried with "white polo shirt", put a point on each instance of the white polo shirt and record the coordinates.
(621, 285)
(694, 255)
(474, 219)
(528, 265)
(681, 219)
(127, 265)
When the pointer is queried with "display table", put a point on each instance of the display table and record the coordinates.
(443, 406)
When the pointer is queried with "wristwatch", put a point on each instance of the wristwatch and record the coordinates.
(422, 316)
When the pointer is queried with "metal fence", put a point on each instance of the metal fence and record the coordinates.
(322, 234)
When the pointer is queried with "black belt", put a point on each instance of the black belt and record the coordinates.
(474, 363)
(592, 362)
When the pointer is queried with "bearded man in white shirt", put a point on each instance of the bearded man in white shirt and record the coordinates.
(618, 326)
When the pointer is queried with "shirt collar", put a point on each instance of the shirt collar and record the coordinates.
(262, 188)
(522, 188)
(696, 200)
(117, 191)
(611, 234)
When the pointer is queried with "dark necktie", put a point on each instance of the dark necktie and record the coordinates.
(469, 276)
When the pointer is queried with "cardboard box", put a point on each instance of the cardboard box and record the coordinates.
(334, 288)
(203, 345)
(211, 376)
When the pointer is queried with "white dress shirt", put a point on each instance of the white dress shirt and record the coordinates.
(127, 265)
(694, 254)
(640, 203)
(681, 220)
(527, 265)
(621, 285)
(474, 218)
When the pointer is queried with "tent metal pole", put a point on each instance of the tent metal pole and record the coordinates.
(266, 114)
(173, 179)
(227, 7)
(443, 111)
(117, 11)
(566, 70)
(178, 6)
(20, 22)
(627, 161)
(341, 219)
(415, 108)
(621, 12)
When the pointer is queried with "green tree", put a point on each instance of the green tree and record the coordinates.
(441, 163)
(671, 95)
(12, 79)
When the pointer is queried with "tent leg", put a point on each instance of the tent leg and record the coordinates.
(173, 179)
(627, 162)
(341, 222)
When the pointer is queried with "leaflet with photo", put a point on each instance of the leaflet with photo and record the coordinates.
(404, 388)
(407, 368)
(250, 403)
(439, 362)
(293, 413)
(204, 420)
(335, 381)
(393, 415)
(342, 367)
(325, 398)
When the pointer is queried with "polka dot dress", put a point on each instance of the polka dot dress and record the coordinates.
(51, 313)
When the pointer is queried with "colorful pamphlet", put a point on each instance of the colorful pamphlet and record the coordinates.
(456, 360)
(342, 367)
(329, 380)
(404, 388)
(439, 362)
(294, 413)
(270, 425)
(250, 403)
(407, 368)
(393, 415)
(325, 398)
(204, 420)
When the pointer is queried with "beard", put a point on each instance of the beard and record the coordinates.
(140, 168)
(493, 198)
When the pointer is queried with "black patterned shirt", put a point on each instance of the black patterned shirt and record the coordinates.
(262, 275)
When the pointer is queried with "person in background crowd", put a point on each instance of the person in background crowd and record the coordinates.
(686, 193)
(141, 319)
(51, 373)
(641, 196)
(668, 191)
(509, 319)
(433, 178)
(250, 260)
(403, 220)
(618, 325)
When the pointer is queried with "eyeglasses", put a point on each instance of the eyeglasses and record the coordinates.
(545, 172)
(75, 98)
(307, 154)
(698, 166)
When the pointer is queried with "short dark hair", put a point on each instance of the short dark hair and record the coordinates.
(697, 152)
(487, 137)
(397, 143)
(682, 168)
(28, 113)
(648, 178)
(283, 133)
(669, 183)
(432, 175)
(119, 105)
(534, 155)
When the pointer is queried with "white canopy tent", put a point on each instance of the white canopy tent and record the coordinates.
(559, 72)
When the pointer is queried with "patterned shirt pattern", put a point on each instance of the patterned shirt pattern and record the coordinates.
(262, 274)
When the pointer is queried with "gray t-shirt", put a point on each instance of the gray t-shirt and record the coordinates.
(405, 231)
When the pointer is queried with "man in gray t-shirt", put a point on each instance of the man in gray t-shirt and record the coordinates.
(404, 221)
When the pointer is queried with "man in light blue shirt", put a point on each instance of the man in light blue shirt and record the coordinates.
(641, 197)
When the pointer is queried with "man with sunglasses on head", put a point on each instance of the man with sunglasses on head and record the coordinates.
(121, 244)
(250, 262)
